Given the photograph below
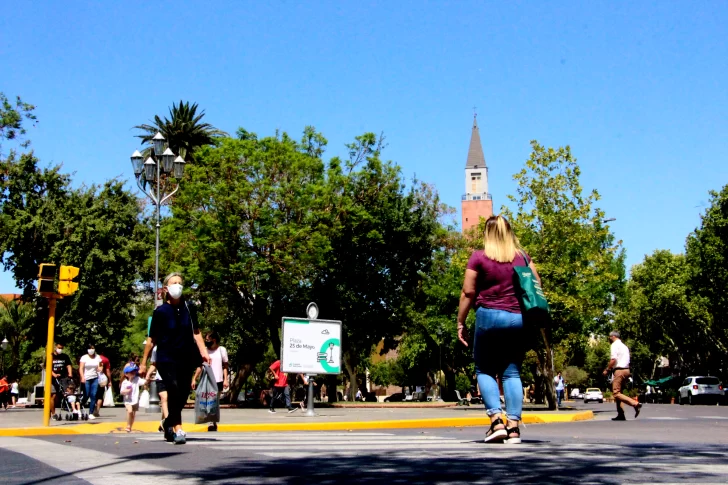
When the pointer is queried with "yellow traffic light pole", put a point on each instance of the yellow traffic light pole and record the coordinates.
(46, 285)
(49, 360)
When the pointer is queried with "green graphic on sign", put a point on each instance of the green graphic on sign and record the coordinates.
(328, 349)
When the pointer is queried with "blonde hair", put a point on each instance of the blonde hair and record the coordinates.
(501, 244)
(172, 275)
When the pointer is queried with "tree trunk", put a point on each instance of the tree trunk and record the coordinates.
(331, 391)
(241, 376)
(351, 372)
(547, 370)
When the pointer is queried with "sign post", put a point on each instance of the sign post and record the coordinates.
(311, 346)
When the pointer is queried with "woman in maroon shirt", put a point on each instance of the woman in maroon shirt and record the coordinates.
(497, 344)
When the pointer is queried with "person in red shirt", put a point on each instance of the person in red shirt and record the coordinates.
(5, 392)
(280, 387)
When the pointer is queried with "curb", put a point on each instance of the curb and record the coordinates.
(151, 426)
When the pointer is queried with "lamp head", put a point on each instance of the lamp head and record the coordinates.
(179, 167)
(137, 162)
(149, 168)
(158, 142)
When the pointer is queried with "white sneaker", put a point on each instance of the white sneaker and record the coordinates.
(91, 417)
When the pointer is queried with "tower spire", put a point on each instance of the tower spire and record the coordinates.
(476, 202)
(476, 159)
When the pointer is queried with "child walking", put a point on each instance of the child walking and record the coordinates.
(130, 391)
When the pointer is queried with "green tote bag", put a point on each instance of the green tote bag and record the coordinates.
(534, 306)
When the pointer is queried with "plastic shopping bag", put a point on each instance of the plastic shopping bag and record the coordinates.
(144, 399)
(108, 398)
(207, 399)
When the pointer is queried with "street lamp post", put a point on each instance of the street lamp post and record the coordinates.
(4, 346)
(149, 173)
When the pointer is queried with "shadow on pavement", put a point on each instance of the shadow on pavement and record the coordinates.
(531, 462)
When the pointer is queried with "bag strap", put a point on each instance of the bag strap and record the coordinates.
(525, 257)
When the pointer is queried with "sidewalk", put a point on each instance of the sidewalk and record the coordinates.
(28, 422)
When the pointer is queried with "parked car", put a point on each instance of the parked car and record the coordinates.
(593, 394)
(396, 397)
(576, 393)
(700, 389)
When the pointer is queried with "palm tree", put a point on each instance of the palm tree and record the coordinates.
(183, 131)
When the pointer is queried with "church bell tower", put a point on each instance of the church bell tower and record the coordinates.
(477, 202)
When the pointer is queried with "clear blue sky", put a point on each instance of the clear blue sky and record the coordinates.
(638, 89)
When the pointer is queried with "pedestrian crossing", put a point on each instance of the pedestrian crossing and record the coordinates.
(288, 445)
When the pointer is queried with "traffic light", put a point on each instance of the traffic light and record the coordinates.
(47, 278)
(66, 283)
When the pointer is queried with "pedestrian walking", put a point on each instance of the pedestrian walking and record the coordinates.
(280, 387)
(161, 390)
(497, 344)
(220, 367)
(180, 350)
(130, 391)
(559, 386)
(619, 364)
(305, 380)
(88, 369)
(61, 369)
(4, 392)
(14, 392)
(104, 383)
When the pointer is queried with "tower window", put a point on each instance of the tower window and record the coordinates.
(475, 182)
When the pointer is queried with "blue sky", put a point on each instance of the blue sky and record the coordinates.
(638, 89)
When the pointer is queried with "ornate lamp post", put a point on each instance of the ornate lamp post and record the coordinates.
(160, 165)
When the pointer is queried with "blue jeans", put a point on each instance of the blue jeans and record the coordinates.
(498, 351)
(92, 387)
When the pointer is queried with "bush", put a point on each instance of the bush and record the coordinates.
(462, 384)
(386, 373)
(28, 382)
(608, 395)
(574, 376)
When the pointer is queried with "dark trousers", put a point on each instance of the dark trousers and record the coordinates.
(281, 393)
(178, 382)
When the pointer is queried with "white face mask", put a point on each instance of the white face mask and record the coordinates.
(59, 351)
(175, 290)
(91, 351)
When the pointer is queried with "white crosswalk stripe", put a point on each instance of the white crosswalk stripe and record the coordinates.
(288, 445)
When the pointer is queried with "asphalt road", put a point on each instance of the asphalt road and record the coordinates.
(666, 444)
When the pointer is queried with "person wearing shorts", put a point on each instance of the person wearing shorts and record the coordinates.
(60, 370)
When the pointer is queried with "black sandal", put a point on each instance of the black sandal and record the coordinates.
(496, 435)
(513, 440)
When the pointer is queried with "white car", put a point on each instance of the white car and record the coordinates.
(701, 389)
(593, 394)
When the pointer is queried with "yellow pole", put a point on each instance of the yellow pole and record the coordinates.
(49, 361)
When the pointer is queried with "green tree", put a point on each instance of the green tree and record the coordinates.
(16, 318)
(382, 241)
(574, 376)
(660, 314)
(249, 229)
(580, 263)
(183, 130)
(707, 255)
(97, 229)
(12, 118)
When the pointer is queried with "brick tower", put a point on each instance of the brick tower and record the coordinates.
(477, 202)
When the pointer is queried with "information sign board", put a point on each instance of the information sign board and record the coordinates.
(311, 346)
